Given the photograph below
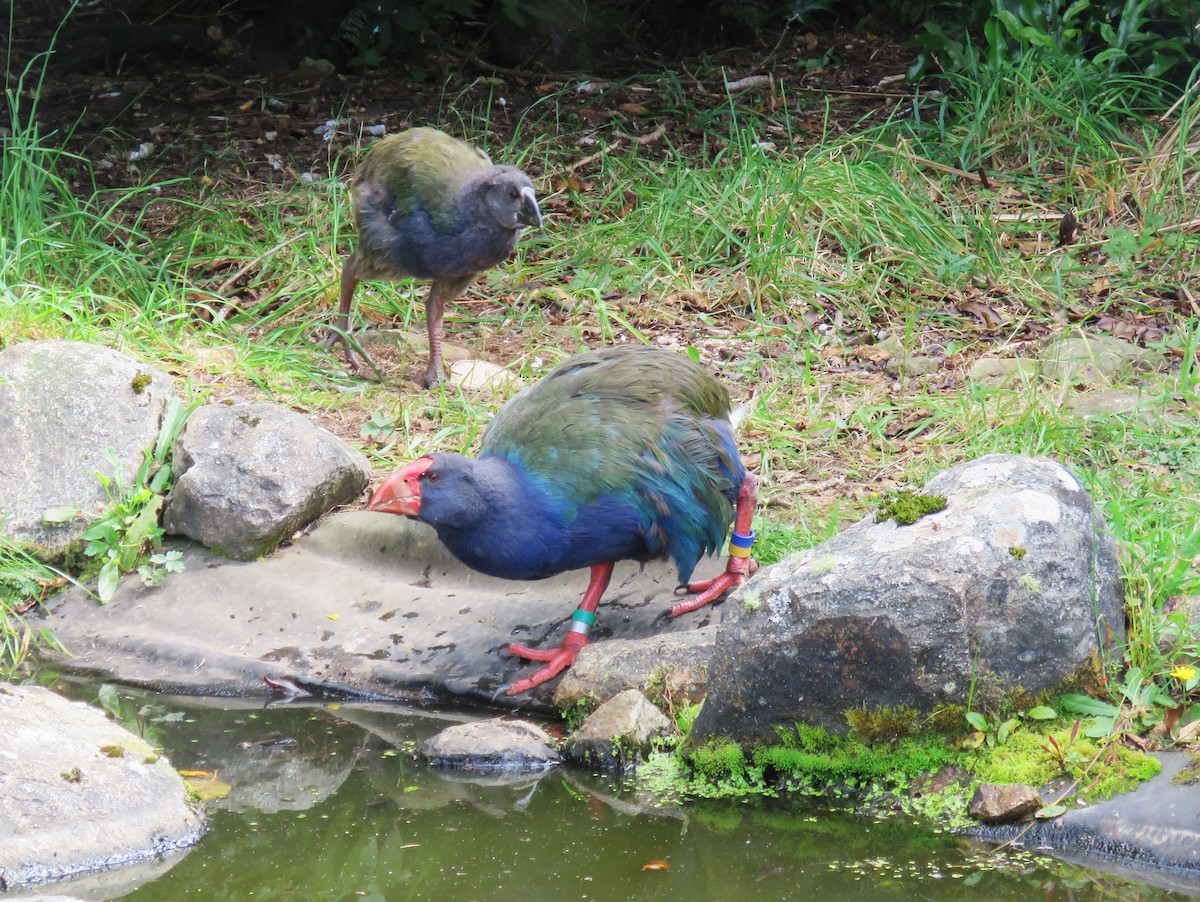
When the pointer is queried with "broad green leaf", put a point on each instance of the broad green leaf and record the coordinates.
(61, 514)
(1086, 705)
(110, 574)
(1050, 811)
(1041, 712)
(978, 721)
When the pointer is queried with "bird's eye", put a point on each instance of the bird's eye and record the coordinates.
(514, 193)
(432, 477)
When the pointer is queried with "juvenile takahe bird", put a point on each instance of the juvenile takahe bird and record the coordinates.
(429, 206)
(621, 453)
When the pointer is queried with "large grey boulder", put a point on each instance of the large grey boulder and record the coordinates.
(1014, 584)
(62, 405)
(254, 473)
(80, 794)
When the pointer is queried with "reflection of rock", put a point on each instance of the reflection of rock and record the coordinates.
(270, 777)
(625, 797)
(419, 787)
(273, 759)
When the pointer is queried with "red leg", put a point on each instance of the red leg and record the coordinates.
(564, 656)
(739, 567)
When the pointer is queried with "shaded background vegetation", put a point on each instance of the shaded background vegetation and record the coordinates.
(1158, 38)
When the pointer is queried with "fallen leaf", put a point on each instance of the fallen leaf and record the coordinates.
(872, 353)
(657, 865)
(210, 790)
(987, 315)
(1189, 732)
(1068, 229)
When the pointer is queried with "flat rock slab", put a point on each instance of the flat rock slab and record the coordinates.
(368, 604)
(82, 795)
(1152, 833)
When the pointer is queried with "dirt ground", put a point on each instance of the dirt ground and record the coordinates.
(234, 112)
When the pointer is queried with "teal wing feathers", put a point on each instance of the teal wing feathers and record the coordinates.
(647, 427)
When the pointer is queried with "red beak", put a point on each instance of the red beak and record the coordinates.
(400, 493)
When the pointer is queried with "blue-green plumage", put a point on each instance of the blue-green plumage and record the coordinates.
(621, 453)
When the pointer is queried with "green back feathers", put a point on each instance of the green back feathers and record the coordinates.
(423, 167)
(620, 422)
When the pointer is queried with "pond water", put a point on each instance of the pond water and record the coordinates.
(328, 803)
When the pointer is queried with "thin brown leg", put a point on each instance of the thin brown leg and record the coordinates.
(435, 311)
(339, 331)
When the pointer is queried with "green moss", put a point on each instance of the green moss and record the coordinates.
(139, 382)
(883, 724)
(1028, 758)
(719, 759)
(1029, 582)
(686, 716)
(907, 507)
(823, 565)
(752, 601)
(1018, 552)
(812, 757)
(575, 714)
(1188, 774)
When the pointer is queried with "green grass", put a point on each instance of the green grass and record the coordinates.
(779, 264)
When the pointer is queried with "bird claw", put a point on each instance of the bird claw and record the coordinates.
(428, 379)
(706, 591)
(559, 659)
(353, 352)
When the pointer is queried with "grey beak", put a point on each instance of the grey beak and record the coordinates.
(529, 214)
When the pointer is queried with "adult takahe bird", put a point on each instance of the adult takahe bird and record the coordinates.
(621, 453)
(429, 206)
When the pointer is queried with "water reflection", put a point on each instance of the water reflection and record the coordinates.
(328, 803)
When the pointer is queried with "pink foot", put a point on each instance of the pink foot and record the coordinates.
(706, 591)
(559, 659)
